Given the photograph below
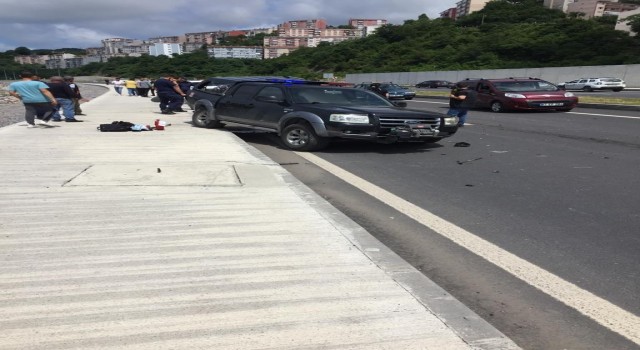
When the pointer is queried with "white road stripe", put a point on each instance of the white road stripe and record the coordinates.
(600, 310)
(594, 114)
(606, 115)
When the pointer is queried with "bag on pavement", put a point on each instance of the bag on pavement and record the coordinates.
(116, 126)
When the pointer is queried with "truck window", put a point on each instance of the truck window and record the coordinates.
(244, 93)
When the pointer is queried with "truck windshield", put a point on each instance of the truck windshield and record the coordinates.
(337, 96)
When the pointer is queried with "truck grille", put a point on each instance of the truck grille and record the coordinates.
(388, 122)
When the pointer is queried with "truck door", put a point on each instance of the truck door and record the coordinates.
(270, 106)
(238, 104)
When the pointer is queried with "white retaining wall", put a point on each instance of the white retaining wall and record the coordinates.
(629, 73)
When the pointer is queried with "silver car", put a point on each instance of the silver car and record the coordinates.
(594, 84)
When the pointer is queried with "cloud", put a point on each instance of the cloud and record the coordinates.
(73, 23)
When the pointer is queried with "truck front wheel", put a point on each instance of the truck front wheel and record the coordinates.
(301, 137)
(199, 119)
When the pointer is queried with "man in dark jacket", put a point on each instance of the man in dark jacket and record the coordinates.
(77, 97)
(64, 94)
(461, 100)
(171, 97)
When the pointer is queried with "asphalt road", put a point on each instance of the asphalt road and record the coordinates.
(559, 190)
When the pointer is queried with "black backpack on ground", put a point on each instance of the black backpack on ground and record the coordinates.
(116, 126)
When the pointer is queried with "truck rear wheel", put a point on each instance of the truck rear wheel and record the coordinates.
(302, 137)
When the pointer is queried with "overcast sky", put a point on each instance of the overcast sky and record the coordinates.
(50, 24)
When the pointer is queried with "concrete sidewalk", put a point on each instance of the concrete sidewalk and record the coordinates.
(190, 239)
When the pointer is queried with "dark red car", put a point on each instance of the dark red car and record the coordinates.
(521, 94)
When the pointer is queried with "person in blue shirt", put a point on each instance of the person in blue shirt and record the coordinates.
(36, 98)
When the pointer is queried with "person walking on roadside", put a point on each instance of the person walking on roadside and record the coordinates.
(64, 94)
(117, 85)
(171, 97)
(461, 99)
(77, 96)
(35, 96)
(131, 86)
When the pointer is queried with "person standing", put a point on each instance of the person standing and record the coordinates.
(131, 86)
(77, 96)
(152, 89)
(461, 99)
(35, 96)
(170, 95)
(144, 84)
(117, 85)
(64, 94)
(184, 86)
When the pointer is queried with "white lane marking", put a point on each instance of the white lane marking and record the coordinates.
(594, 114)
(600, 310)
(605, 115)
(433, 102)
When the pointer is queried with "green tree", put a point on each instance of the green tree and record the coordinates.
(22, 51)
(634, 23)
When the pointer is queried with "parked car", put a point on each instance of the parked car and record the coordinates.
(520, 94)
(434, 84)
(594, 84)
(308, 115)
(390, 91)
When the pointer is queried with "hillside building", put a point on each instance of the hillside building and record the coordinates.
(165, 49)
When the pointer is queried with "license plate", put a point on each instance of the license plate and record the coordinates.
(552, 104)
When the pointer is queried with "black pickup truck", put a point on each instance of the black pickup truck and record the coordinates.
(307, 115)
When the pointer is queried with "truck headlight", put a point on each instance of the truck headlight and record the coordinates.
(350, 118)
(450, 121)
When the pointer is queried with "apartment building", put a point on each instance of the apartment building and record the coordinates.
(174, 39)
(367, 26)
(249, 52)
(31, 59)
(618, 8)
(463, 8)
(588, 8)
(449, 13)
(466, 7)
(165, 49)
(276, 46)
(623, 24)
(114, 46)
(558, 4)
(361, 23)
(307, 23)
(310, 33)
(63, 60)
(202, 38)
(598, 8)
